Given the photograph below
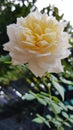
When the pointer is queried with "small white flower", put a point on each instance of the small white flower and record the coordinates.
(40, 41)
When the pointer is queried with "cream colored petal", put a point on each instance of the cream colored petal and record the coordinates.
(11, 31)
(56, 68)
(35, 68)
(20, 58)
(20, 21)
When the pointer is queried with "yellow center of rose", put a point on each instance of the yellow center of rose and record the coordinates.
(40, 35)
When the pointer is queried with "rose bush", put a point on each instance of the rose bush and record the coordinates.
(40, 41)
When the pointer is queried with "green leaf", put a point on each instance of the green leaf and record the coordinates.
(61, 128)
(71, 116)
(59, 119)
(53, 78)
(59, 88)
(45, 94)
(5, 59)
(55, 99)
(29, 97)
(56, 108)
(57, 123)
(42, 101)
(65, 114)
(47, 123)
(70, 107)
(43, 120)
(49, 117)
(38, 120)
(67, 124)
(71, 120)
(66, 81)
(63, 106)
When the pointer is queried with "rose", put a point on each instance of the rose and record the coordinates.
(38, 40)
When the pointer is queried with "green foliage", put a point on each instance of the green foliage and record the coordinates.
(9, 11)
(52, 11)
(8, 72)
(60, 115)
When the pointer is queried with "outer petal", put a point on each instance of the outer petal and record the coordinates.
(35, 68)
(56, 68)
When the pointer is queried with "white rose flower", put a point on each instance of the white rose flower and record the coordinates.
(40, 41)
